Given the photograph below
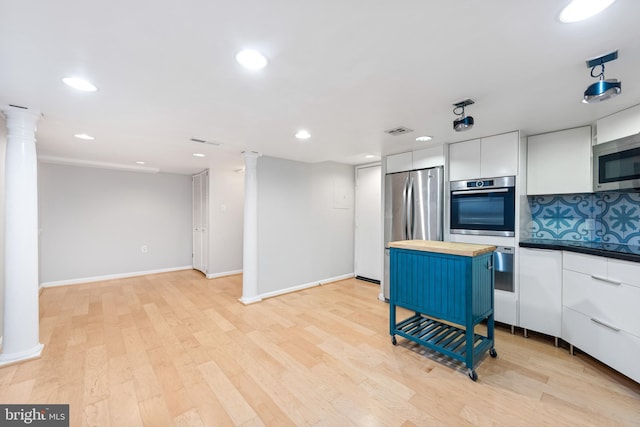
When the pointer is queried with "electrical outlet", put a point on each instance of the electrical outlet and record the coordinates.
(590, 224)
(143, 249)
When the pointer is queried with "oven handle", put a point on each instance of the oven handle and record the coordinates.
(488, 190)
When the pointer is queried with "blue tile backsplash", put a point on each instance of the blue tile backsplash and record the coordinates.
(598, 217)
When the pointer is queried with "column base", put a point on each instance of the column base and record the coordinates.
(23, 356)
(247, 301)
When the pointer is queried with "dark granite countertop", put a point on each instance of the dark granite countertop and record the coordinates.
(607, 250)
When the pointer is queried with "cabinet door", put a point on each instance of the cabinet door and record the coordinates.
(619, 125)
(428, 157)
(559, 162)
(400, 162)
(464, 160)
(541, 290)
(499, 155)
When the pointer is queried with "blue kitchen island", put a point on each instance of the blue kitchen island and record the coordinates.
(449, 287)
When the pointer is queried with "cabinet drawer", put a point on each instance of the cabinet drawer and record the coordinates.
(627, 272)
(587, 264)
(614, 348)
(616, 305)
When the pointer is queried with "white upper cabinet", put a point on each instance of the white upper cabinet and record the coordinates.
(464, 160)
(428, 157)
(419, 159)
(560, 162)
(499, 155)
(619, 125)
(400, 162)
(484, 158)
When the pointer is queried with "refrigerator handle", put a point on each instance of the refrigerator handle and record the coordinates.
(405, 212)
(410, 208)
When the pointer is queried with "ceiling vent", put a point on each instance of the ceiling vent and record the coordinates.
(203, 141)
(400, 130)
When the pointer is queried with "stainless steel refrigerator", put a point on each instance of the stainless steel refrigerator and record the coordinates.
(413, 209)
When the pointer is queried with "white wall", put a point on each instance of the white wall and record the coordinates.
(3, 148)
(94, 221)
(226, 210)
(305, 223)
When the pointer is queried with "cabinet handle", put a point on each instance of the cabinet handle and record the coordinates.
(602, 279)
(600, 322)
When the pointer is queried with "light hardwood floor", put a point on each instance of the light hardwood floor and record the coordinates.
(177, 349)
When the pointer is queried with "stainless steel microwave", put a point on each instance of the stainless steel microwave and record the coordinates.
(616, 164)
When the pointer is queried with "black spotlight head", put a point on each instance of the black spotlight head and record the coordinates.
(463, 123)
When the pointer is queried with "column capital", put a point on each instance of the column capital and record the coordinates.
(250, 159)
(251, 154)
(21, 121)
(10, 111)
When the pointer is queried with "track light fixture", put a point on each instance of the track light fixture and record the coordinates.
(603, 89)
(463, 122)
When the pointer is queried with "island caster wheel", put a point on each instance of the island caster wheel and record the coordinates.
(393, 340)
(472, 374)
(493, 353)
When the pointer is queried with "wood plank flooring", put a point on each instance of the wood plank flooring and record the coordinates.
(176, 349)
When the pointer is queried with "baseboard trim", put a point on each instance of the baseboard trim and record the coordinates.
(223, 274)
(111, 277)
(305, 286)
(366, 279)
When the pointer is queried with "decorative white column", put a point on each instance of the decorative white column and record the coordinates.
(250, 238)
(21, 339)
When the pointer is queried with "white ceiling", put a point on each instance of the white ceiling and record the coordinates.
(344, 70)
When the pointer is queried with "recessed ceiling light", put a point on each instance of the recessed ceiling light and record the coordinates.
(140, 162)
(79, 84)
(84, 136)
(369, 156)
(251, 59)
(303, 134)
(424, 138)
(198, 155)
(579, 10)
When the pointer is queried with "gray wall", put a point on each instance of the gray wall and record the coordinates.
(94, 221)
(226, 221)
(305, 222)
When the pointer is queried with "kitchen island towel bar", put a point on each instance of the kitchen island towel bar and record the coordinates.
(449, 286)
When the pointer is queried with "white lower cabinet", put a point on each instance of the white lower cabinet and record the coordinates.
(600, 300)
(541, 291)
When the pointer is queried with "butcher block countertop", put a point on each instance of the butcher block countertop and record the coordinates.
(451, 248)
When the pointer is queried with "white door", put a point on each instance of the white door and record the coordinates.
(368, 244)
(200, 193)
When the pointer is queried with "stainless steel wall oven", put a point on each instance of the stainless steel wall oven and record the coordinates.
(483, 207)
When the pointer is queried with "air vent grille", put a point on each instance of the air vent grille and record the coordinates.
(398, 130)
(204, 141)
